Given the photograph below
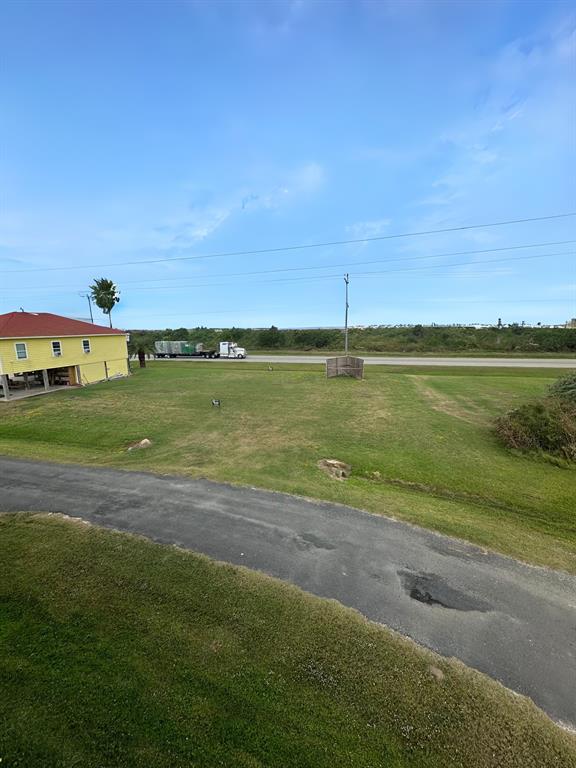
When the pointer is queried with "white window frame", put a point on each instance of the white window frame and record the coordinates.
(54, 353)
(84, 342)
(21, 344)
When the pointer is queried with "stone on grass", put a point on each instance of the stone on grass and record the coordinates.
(140, 444)
(436, 672)
(339, 470)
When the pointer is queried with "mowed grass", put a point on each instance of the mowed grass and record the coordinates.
(426, 431)
(120, 652)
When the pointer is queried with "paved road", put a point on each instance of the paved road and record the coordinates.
(480, 362)
(513, 622)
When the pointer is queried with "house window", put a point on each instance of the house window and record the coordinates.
(56, 349)
(21, 351)
(86, 346)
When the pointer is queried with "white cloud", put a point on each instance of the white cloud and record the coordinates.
(307, 178)
(299, 183)
(200, 224)
(517, 142)
(133, 225)
(373, 228)
(197, 224)
(182, 230)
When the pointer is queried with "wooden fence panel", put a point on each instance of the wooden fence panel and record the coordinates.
(345, 366)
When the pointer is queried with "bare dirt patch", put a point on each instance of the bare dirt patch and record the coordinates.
(339, 470)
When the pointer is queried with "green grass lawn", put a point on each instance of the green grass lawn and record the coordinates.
(427, 431)
(119, 652)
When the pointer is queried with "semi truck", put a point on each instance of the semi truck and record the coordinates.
(226, 349)
(232, 350)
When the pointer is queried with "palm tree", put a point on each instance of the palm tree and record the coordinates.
(105, 295)
(141, 345)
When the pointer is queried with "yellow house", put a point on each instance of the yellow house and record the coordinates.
(40, 352)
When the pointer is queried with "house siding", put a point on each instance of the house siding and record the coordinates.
(108, 355)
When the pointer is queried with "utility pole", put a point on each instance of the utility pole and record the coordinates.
(87, 296)
(347, 281)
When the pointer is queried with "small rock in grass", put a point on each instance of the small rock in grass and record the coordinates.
(140, 444)
(339, 470)
(436, 672)
(216, 646)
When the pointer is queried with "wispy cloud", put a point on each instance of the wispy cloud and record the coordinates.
(193, 221)
(297, 184)
(195, 227)
(372, 228)
(516, 141)
(524, 110)
(6, 261)
(277, 19)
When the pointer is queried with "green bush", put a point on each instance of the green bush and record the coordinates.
(547, 425)
(565, 388)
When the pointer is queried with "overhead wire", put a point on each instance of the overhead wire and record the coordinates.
(278, 249)
(347, 265)
(201, 313)
(360, 274)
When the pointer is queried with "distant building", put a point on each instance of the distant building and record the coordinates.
(40, 352)
(571, 323)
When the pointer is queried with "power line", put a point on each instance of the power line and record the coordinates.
(357, 275)
(372, 275)
(328, 266)
(365, 274)
(468, 263)
(502, 301)
(349, 264)
(327, 244)
(196, 286)
(201, 313)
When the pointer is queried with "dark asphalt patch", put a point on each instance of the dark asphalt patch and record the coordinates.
(312, 541)
(431, 589)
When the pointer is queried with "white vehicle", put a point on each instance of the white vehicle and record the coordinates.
(232, 350)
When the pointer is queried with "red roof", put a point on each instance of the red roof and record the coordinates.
(26, 325)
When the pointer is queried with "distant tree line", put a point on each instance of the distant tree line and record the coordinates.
(412, 339)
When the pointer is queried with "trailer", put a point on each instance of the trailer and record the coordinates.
(182, 349)
(227, 349)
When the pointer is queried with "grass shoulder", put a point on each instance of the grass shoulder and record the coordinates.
(117, 651)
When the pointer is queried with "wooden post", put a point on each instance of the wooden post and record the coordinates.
(106, 365)
(45, 379)
(4, 383)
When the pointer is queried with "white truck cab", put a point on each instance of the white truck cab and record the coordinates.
(232, 350)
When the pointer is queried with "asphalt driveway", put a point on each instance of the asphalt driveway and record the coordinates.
(513, 622)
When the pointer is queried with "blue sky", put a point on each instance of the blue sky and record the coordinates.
(169, 131)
